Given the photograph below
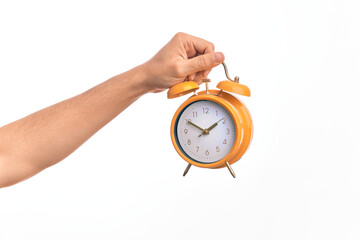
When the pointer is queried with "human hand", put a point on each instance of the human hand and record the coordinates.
(183, 56)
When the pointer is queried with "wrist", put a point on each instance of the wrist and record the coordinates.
(134, 80)
(152, 79)
(141, 79)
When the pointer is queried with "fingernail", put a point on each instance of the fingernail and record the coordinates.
(218, 57)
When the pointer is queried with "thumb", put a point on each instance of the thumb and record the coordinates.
(203, 62)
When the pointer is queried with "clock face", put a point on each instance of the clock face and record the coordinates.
(205, 131)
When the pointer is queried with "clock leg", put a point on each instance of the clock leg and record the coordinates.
(187, 169)
(230, 169)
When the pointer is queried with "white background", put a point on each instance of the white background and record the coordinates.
(300, 178)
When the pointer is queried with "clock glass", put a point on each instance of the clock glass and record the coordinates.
(205, 131)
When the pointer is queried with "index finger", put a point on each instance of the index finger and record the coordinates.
(195, 46)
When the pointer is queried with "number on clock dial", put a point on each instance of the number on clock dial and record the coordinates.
(192, 138)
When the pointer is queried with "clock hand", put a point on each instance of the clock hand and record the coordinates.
(212, 126)
(191, 123)
(207, 131)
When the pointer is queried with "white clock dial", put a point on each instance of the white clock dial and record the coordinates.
(205, 131)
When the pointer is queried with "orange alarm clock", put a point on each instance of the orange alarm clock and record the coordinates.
(213, 128)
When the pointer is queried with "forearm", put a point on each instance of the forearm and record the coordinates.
(44, 138)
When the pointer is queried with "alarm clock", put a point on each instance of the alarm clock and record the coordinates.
(212, 128)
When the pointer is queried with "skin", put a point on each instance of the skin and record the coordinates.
(44, 138)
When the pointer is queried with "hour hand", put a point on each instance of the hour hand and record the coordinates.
(191, 123)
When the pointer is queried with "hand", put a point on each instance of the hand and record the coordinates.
(183, 56)
(191, 123)
(207, 131)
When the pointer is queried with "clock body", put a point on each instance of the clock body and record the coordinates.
(211, 129)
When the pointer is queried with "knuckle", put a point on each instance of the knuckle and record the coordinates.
(177, 69)
(211, 46)
(179, 35)
(204, 62)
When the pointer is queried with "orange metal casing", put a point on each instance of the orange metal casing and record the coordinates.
(234, 87)
(242, 120)
(181, 89)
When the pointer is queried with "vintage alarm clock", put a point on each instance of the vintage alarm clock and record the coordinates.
(213, 128)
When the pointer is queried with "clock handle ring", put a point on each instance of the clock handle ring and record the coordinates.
(236, 79)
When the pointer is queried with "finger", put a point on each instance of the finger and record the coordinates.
(202, 63)
(194, 45)
(198, 78)
(191, 77)
(206, 73)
